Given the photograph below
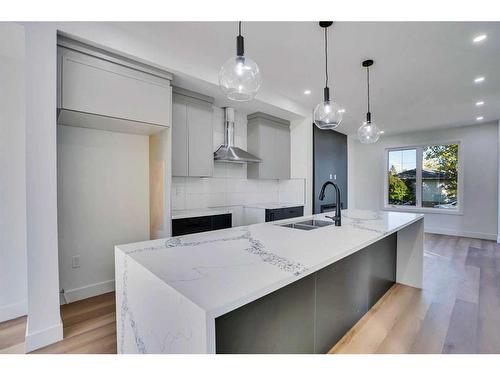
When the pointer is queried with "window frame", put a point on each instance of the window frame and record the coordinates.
(418, 191)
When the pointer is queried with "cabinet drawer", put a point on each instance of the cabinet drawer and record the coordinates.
(284, 213)
(200, 224)
(221, 221)
(191, 225)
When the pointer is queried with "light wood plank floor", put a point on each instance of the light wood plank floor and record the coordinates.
(458, 310)
(89, 327)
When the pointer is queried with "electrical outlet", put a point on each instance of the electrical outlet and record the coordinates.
(75, 261)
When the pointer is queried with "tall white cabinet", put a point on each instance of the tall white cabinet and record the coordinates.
(192, 134)
(269, 139)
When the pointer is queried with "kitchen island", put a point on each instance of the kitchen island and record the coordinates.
(263, 288)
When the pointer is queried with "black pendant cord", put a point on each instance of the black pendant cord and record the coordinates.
(326, 56)
(368, 114)
(326, 90)
(240, 48)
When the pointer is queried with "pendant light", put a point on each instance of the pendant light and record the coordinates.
(368, 132)
(240, 77)
(327, 114)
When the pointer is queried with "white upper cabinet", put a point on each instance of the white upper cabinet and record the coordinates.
(93, 83)
(192, 134)
(269, 139)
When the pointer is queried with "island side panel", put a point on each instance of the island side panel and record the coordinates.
(311, 314)
(152, 317)
(410, 258)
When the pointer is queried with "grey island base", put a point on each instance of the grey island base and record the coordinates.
(262, 288)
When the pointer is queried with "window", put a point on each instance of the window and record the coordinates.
(423, 177)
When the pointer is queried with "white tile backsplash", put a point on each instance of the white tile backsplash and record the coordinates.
(194, 193)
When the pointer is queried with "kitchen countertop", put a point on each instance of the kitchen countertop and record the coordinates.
(222, 270)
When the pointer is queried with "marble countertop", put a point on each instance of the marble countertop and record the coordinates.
(272, 205)
(182, 214)
(222, 270)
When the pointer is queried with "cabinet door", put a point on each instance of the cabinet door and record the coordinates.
(281, 158)
(221, 221)
(179, 139)
(267, 169)
(341, 298)
(200, 140)
(100, 87)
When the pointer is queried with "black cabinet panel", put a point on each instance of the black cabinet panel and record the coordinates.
(382, 259)
(341, 298)
(221, 221)
(329, 158)
(200, 224)
(284, 213)
(281, 322)
(347, 289)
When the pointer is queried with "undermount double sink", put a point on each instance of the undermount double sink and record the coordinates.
(307, 224)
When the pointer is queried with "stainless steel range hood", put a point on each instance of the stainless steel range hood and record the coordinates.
(228, 152)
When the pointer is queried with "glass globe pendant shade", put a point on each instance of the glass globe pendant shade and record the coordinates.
(368, 133)
(240, 78)
(327, 115)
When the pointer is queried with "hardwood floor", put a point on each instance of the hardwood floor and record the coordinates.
(457, 311)
(89, 327)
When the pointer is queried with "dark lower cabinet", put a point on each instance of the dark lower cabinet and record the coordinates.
(284, 213)
(281, 322)
(347, 289)
(313, 313)
(200, 224)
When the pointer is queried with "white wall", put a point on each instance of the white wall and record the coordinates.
(103, 200)
(13, 292)
(478, 154)
(229, 185)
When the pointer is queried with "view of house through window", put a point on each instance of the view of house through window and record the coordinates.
(433, 183)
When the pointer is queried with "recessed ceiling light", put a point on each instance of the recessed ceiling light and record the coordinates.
(307, 92)
(479, 118)
(479, 79)
(480, 38)
(479, 104)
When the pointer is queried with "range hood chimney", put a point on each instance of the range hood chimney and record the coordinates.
(228, 152)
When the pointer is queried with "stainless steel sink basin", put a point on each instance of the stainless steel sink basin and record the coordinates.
(316, 223)
(307, 224)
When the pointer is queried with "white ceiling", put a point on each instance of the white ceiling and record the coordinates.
(422, 77)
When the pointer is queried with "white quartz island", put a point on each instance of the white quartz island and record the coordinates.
(169, 292)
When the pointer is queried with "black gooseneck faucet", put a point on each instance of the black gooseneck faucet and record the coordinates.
(338, 217)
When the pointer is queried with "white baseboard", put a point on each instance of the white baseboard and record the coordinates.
(88, 291)
(39, 339)
(14, 310)
(451, 232)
